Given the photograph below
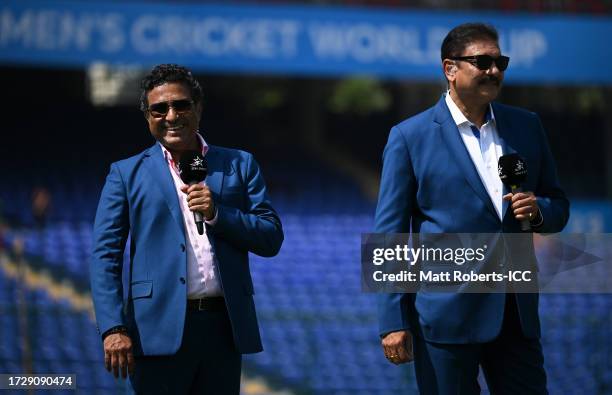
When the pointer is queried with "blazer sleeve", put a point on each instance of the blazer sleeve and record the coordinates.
(552, 201)
(111, 229)
(393, 215)
(257, 229)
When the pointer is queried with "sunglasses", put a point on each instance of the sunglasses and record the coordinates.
(484, 62)
(159, 110)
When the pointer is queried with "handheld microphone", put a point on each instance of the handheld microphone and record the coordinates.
(513, 172)
(193, 169)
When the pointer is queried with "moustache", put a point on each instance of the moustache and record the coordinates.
(489, 80)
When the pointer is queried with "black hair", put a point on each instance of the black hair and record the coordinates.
(164, 73)
(463, 35)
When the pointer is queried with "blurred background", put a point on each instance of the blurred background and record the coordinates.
(312, 89)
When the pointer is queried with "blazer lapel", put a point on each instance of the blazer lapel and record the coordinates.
(509, 141)
(160, 174)
(216, 171)
(460, 154)
(214, 180)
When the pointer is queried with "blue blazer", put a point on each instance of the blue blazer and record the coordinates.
(140, 199)
(429, 185)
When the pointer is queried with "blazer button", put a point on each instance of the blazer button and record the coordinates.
(182, 247)
(182, 280)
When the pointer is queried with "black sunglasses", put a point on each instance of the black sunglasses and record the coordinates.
(159, 110)
(484, 62)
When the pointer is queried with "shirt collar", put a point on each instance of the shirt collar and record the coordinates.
(458, 116)
(168, 156)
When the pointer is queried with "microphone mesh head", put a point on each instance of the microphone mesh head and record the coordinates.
(512, 169)
(192, 167)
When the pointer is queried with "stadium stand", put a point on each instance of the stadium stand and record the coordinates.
(318, 328)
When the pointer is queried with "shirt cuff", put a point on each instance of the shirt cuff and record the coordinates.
(213, 221)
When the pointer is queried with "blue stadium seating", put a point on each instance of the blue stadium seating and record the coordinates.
(319, 330)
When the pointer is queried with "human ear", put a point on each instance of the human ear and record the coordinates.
(450, 68)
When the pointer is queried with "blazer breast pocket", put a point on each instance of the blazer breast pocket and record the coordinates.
(142, 289)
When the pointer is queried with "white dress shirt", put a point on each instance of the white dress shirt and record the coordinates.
(484, 152)
(202, 266)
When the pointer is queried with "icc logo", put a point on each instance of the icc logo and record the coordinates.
(197, 162)
(520, 166)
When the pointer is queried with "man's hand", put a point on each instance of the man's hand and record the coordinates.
(118, 354)
(398, 347)
(524, 205)
(199, 198)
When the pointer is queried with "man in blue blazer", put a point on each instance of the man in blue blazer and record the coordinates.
(440, 176)
(185, 314)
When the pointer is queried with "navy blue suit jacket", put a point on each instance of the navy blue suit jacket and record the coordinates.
(140, 199)
(429, 184)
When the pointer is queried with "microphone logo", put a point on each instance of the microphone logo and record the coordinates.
(193, 168)
(512, 169)
(197, 162)
(520, 170)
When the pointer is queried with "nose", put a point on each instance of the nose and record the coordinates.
(172, 114)
(494, 69)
